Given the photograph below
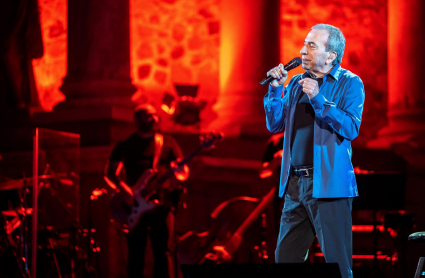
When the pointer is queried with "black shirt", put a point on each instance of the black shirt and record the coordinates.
(303, 132)
(137, 155)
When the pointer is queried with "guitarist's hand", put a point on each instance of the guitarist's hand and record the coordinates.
(180, 171)
(126, 188)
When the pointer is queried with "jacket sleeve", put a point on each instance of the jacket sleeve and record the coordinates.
(345, 120)
(275, 108)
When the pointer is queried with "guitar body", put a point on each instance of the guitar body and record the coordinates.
(126, 209)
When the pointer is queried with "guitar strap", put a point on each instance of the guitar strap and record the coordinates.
(159, 142)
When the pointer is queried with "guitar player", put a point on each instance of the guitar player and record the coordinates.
(147, 149)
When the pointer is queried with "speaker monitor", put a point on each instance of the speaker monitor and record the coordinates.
(288, 270)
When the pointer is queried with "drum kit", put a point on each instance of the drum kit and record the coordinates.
(16, 234)
(14, 238)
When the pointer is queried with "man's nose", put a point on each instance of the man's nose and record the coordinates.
(303, 50)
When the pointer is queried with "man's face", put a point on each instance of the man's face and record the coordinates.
(314, 56)
(146, 121)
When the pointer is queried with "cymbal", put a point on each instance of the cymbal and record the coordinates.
(19, 183)
(14, 212)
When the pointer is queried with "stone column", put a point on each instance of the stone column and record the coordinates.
(249, 48)
(406, 99)
(98, 106)
(97, 86)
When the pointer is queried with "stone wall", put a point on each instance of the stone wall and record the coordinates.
(51, 68)
(174, 41)
(178, 41)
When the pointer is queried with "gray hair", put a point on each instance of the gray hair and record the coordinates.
(336, 41)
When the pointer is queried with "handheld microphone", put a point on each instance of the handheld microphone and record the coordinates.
(291, 65)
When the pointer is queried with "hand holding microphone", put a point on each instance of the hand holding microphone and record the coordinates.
(277, 76)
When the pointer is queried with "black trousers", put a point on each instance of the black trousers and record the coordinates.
(304, 217)
(158, 225)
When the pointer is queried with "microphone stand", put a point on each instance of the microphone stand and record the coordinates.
(23, 234)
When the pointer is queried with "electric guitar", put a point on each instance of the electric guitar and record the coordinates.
(224, 253)
(127, 209)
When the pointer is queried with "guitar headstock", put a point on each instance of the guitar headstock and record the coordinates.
(207, 140)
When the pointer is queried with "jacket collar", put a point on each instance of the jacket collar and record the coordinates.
(335, 72)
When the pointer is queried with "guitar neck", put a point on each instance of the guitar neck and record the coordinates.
(184, 161)
(236, 238)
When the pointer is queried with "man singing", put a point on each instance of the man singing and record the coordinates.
(321, 111)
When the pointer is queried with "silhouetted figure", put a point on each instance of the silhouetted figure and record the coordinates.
(20, 42)
(137, 154)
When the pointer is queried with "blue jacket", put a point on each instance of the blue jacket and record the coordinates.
(338, 108)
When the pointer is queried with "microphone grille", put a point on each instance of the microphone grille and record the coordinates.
(293, 63)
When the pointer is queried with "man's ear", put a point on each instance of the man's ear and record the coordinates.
(332, 56)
